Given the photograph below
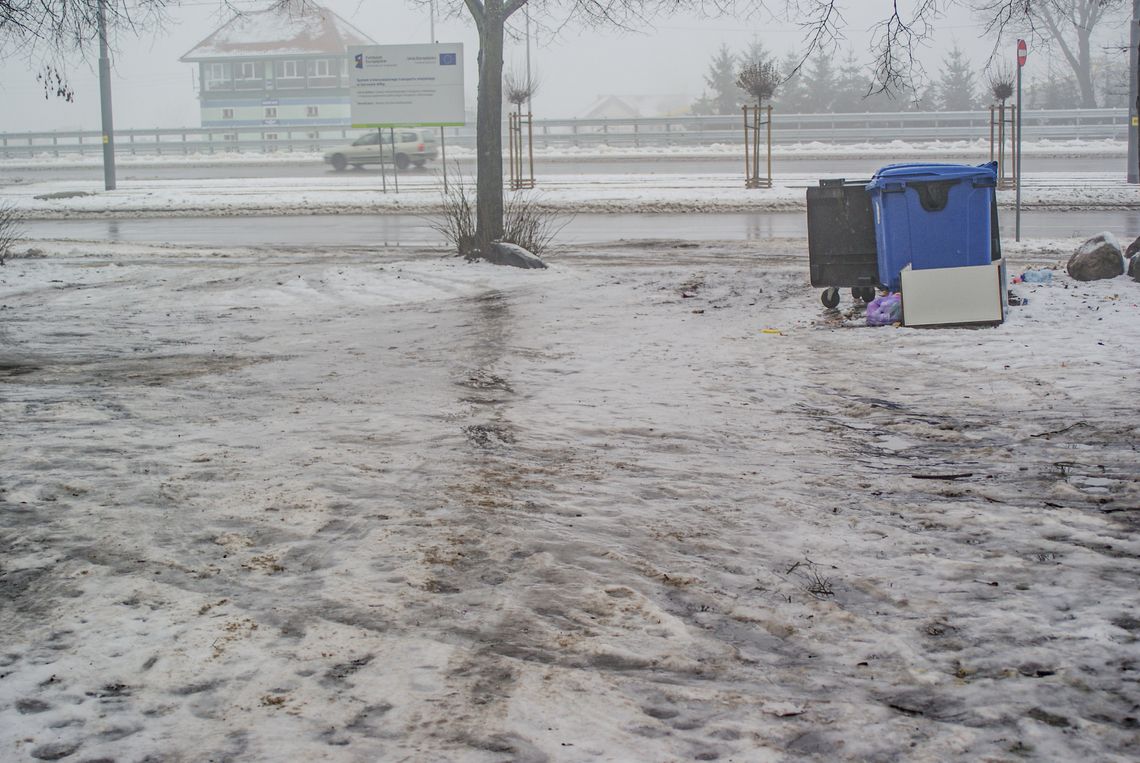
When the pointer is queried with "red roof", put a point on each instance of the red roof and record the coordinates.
(292, 29)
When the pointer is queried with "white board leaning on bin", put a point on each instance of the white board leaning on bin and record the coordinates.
(973, 294)
(406, 85)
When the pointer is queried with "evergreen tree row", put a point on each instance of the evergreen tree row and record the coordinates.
(819, 86)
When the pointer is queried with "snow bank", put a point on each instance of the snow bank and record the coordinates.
(977, 151)
(362, 193)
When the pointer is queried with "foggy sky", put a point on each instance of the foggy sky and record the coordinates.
(153, 89)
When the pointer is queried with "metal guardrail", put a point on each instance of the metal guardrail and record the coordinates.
(1086, 124)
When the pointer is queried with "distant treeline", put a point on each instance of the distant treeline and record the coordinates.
(820, 85)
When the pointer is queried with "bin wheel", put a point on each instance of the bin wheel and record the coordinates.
(865, 293)
(829, 297)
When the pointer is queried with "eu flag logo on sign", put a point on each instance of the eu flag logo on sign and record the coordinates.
(447, 59)
(359, 60)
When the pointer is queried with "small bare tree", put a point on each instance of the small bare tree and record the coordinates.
(1001, 83)
(520, 88)
(10, 229)
(759, 79)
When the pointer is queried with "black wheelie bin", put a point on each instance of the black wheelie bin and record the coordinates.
(841, 240)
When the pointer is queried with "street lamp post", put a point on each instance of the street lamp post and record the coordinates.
(105, 100)
(1134, 94)
(529, 84)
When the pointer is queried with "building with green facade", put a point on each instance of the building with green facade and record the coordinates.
(284, 67)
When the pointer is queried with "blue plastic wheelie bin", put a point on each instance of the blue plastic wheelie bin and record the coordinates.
(933, 216)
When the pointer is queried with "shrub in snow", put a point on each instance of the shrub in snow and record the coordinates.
(1098, 258)
(526, 226)
(10, 231)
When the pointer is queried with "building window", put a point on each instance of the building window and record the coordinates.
(227, 113)
(271, 136)
(288, 70)
(270, 112)
(322, 73)
(247, 75)
(312, 111)
(290, 74)
(218, 77)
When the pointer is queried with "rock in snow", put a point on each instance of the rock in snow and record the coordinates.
(1099, 257)
(503, 253)
(1133, 248)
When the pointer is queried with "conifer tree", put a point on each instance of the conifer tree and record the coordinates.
(819, 84)
(852, 85)
(956, 88)
(723, 93)
(791, 95)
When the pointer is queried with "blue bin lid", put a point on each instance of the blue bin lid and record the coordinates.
(920, 172)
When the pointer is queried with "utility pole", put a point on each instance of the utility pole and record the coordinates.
(1134, 94)
(1022, 53)
(105, 101)
(529, 83)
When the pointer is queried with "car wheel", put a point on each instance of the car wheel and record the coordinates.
(339, 162)
(402, 161)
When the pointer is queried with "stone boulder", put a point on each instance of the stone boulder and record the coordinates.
(1133, 248)
(513, 255)
(1098, 258)
(1134, 267)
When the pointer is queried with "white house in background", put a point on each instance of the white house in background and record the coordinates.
(284, 66)
(638, 106)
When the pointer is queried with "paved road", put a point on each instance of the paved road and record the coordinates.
(412, 230)
(820, 167)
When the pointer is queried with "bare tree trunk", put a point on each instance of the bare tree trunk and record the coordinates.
(1084, 69)
(1080, 61)
(489, 128)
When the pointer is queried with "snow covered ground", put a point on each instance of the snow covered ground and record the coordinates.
(368, 193)
(619, 193)
(653, 503)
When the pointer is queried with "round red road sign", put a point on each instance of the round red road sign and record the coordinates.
(1021, 50)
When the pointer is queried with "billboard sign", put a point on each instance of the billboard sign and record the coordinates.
(406, 85)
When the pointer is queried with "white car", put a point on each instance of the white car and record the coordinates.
(413, 148)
